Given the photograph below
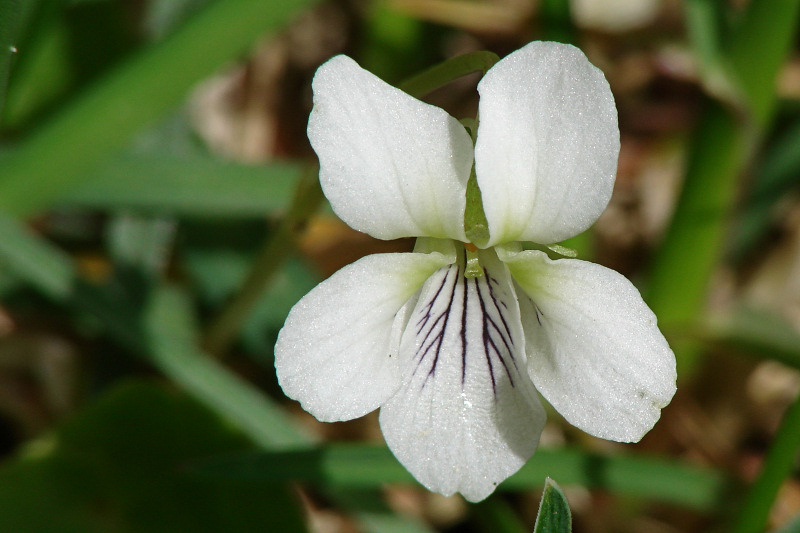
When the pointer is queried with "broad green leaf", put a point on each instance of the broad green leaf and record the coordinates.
(759, 334)
(119, 465)
(367, 466)
(554, 514)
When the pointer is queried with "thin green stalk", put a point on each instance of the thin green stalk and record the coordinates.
(133, 96)
(779, 463)
(494, 515)
(224, 329)
(447, 71)
(724, 142)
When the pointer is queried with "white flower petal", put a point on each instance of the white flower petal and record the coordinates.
(548, 141)
(390, 165)
(467, 415)
(337, 351)
(594, 350)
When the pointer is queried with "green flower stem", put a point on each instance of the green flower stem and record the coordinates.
(447, 71)
(224, 329)
(778, 464)
(724, 142)
(64, 151)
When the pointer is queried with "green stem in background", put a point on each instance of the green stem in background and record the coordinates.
(495, 515)
(448, 71)
(556, 22)
(281, 242)
(724, 142)
(143, 90)
(778, 464)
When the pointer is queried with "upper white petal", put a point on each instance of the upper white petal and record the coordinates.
(390, 165)
(466, 416)
(337, 351)
(594, 349)
(548, 141)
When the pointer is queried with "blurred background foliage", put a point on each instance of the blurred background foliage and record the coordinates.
(160, 214)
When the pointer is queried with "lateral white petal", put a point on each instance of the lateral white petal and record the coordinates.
(466, 416)
(390, 165)
(594, 349)
(337, 351)
(548, 141)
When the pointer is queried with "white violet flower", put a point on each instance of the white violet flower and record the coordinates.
(454, 340)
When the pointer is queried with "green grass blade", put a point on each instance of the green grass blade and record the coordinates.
(369, 466)
(494, 515)
(758, 47)
(169, 324)
(31, 258)
(778, 465)
(10, 16)
(188, 185)
(691, 248)
(758, 334)
(102, 120)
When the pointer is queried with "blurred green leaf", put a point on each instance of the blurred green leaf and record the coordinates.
(760, 334)
(10, 16)
(775, 176)
(447, 71)
(32, 259)
(723, 142)
(362, 466)
(119, 466)
(188, 185)
(173, 341)
(554, 514)
(495, 515)
(556, 21)
(104, 118)
(752, 515)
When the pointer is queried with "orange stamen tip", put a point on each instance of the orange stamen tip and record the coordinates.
(470, 247)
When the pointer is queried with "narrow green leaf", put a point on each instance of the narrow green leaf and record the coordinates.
(778, 465)
(170, 324)
(772, 179)
(557, 21)
(369, 466)
(10, 16)
(495, 515)
(447, 71)
(188, 185)
(554, 514)
(758, 334)
(693, 244)
(758, 47)
(32, 259)
(103, 119)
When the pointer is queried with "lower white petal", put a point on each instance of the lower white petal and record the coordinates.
(594, 349)
(337, 351)
(466, 416)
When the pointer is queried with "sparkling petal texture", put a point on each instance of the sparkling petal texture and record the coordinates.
(390, 165)
(593, 347)
(466, 416)
(548, 141)
(337, 351)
